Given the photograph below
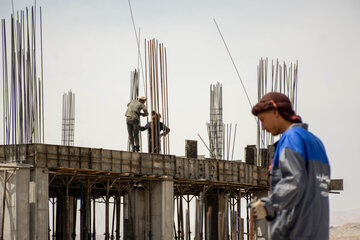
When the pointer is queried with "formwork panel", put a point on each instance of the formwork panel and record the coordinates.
(220, 165)
(106, 160)
(169, 165)
(255, 174)
(135, 163)
(125, 162)
(248, 174)
(63, 156)
(228, 171)
(201, 168)
(263, 176)
(51, 156)
(85, 158)
(74, 159)
(193, 168)
(146, 163)
(41, 150)
(206, 169)
(213, 175)
(180, 169)
(242, 172)
(158, 166)
(96, 159)
(235, 172)
(115, 162)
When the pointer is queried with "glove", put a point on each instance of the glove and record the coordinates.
(258, 207)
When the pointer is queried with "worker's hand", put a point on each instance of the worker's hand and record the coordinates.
(144, 114)
(258, 207)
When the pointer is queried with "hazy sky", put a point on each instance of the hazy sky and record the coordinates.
(90, 47)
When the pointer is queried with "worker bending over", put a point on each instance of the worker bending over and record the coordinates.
(135, 109)
(298, 204)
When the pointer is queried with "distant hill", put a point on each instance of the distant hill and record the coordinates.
(347, 231)
(342, 217)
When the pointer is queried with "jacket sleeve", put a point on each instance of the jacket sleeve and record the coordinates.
(289, 189)
(162, 126)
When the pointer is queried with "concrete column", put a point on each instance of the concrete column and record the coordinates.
(26, 202)
(250, 154)
(217, 204)
(39, 205)
(191, 149)
(65, 209)
(149, 212)
(134, 219)
(17, 208)
(162, 210)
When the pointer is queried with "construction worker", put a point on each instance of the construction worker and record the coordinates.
(158, 129)
(298, 204)
(135, 109)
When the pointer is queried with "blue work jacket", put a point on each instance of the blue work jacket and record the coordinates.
(298, 204)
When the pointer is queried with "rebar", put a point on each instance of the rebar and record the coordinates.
(284, 79)
(156, 74)
(68, 119)
(23, 102)
(219, 133)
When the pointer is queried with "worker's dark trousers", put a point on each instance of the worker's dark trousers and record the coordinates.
(156, 147)
(133, 130)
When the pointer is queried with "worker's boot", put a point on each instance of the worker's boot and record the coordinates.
(137, 148)
(133, 149)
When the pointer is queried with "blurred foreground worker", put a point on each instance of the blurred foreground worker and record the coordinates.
(156, 129)
(298, 204)
(135, 109)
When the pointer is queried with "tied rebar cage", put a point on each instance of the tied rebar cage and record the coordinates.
(283, 79)
(219, 133)
(216, 126)
(68, 119)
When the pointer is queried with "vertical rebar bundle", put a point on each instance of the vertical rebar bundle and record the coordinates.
(283, 79)
(68, 119)
(156, 77)
(23, 94)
